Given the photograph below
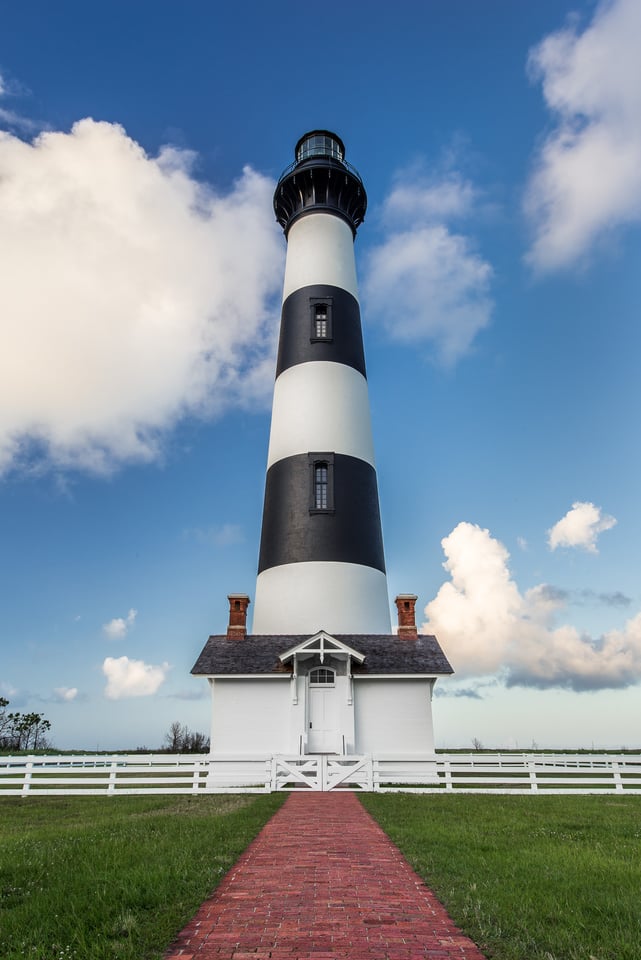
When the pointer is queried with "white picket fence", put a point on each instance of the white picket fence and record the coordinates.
(507, 773)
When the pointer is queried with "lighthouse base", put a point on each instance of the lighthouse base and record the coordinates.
(296, 598)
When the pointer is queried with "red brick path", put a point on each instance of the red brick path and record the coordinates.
(322, 882)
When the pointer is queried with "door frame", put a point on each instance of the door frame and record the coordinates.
(310, 687)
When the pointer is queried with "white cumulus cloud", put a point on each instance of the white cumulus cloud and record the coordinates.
(425, 282)
(488, 627)
(66, 694)
(9, 117)
(119, 627)
(580, 527)
(132, 678)
(12, 119)
(132, 295)
(587, 176)
(438, 198)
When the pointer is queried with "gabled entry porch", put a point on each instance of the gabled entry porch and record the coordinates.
(322, 694)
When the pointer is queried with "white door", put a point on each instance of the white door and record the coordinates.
(322, 735)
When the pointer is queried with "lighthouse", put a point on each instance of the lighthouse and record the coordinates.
(321, 561)
(321, 673)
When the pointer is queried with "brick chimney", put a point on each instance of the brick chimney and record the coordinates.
(405, 604)
(238, 603)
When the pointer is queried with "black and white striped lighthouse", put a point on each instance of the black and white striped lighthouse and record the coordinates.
(321, 563)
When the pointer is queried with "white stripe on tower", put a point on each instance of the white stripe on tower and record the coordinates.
(321, 560)
(300, 423)
(322, 251)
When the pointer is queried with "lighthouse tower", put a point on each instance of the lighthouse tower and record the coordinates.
(321, 563)
(322, 672)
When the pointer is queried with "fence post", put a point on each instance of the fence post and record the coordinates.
(268, 774)
(323, 772)
(113, 772)
(618, 782)
(26, 783)
(532, 769)
(376, 775)
(195, 782)
(448, 776)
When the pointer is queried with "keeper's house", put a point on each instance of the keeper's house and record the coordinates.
(324, 693)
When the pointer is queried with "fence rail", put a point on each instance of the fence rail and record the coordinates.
(126, 774)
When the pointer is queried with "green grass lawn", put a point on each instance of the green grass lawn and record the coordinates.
(528, 878)
(114, 879)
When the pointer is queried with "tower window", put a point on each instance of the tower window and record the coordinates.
(321, 477)
(321, 320)
(320, 486)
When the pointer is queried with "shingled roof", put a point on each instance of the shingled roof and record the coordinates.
(384, 653)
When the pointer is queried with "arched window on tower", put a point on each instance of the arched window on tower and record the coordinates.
(321, 317)
(321, 479)
(320, 486)
(320, 321)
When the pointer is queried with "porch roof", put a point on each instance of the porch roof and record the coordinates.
(383, 654)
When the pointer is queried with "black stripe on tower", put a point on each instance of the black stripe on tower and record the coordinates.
(348, 531)
(303, 338)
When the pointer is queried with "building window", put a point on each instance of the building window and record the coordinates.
(321, 478)
(321, 320)
(320, 486)
(322, 676)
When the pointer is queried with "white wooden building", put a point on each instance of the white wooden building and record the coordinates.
(338, 694)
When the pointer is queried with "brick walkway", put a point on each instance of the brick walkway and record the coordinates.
(322, 882)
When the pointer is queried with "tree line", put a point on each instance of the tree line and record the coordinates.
(28, 731)
(22, 731)
(180, 739)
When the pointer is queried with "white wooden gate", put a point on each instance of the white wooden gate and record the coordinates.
(321, 772)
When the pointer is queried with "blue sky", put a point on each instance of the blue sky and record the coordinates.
(500, 144)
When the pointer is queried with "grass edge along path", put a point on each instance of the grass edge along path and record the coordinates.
(114, 878)
(527, 878)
